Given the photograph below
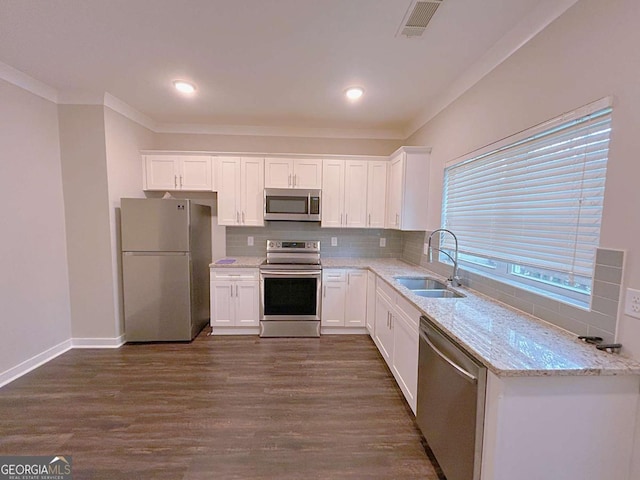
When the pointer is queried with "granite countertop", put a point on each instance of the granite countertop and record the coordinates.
(237, 262)
(509, 342)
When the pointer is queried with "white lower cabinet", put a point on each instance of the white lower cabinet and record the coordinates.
(396, 336)
(344, 298)
(234, 299)
(371, 303)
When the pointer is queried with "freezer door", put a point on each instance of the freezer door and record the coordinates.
(157, 304)
(154, 225)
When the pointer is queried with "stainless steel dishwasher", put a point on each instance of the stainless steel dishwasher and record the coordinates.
(450, 413)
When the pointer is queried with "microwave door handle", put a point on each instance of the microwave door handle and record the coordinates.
(309, 204)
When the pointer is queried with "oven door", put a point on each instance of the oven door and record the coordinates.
(290, 294)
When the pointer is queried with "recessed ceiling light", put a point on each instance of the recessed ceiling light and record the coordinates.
(184, 87)
(354, 93)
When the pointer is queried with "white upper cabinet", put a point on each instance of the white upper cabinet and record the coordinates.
(177, 172)
(353, 193)
(332, 193)
(377, 193)
(240, 191)
(408, 192)
(293, 173)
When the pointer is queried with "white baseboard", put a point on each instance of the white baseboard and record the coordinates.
(34, 362)
(98, 342)
(235, 331)
(344, 331)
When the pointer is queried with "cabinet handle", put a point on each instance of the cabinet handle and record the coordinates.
(237, 290)
(341, 219)
(231, 291)
(243, 217)
(324, 294)
(180, 181)
(289, 181)
(237, 217)
(369, 219)
(175, 181)
(397, 222)
(295, 177)
(346, 219)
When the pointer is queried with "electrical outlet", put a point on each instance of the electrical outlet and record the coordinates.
(632, 303)
(334, 241)
(425, 249)
(383, 242)
(250, 241)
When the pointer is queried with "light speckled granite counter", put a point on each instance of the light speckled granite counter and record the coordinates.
(240, 262)
(507, 341)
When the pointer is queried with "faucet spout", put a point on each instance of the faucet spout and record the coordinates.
(454, 278)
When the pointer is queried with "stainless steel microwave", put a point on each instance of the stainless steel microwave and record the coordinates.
(291, 204)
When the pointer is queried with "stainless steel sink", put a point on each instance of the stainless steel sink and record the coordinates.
(420, 283)
(437, 293)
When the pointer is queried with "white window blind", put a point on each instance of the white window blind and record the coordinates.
(536, 201)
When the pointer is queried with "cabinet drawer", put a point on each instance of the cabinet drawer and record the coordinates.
(410, 312)
(234, 274)
(333, 275)
(388, 290)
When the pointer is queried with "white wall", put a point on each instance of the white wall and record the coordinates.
(589, 52)
(86, 200)
(34, 285)
(272, 144)
(123, 141)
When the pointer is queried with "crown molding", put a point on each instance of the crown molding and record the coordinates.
(117, 105)
(536, 21)
(28, 83)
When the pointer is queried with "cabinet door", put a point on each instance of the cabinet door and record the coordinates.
(383, 333)
(246, 303)
(333, 303)
(161, 172)
(307, 173)
(355, 194)
(278, 173)
(252, 192)
(405, 358)
(376, 193)
(394, 195)
(195, 173)
(356, 299)
(371, 302)
(332, 193)
(222, 300)
(228, 190)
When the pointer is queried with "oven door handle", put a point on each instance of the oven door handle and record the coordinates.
(289, 273)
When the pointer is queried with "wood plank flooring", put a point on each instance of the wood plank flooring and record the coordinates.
(236, 407)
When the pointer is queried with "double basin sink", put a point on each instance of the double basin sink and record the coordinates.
(427, 287)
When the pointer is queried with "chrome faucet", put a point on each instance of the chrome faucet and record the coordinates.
(454, 278)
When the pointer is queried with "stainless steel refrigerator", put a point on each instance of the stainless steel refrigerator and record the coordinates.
(166, 252)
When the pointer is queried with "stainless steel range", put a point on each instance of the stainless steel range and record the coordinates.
(290, 286)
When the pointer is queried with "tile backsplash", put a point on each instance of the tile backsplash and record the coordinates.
(352, 242)
(600, 320)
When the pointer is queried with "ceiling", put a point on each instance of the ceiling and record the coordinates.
(276, 65)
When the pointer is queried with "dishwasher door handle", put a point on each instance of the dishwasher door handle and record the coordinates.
(461, 371)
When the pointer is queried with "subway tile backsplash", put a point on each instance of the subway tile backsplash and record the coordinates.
(599, 321)
(352, 242)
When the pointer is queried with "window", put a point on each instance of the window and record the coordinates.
(528, 211)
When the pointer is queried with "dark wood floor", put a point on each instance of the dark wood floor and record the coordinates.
(218, 408)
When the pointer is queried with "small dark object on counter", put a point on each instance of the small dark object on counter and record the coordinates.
(610, 347)
(590, 339)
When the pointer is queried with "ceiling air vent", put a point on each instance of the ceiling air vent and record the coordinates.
(418, 17)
